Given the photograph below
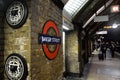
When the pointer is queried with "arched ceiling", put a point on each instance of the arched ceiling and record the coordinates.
(83, 14)
(92, 7)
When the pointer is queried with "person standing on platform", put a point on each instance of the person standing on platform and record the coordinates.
(103, 49)
(112, 49)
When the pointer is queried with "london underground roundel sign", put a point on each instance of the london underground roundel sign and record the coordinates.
(47, 39)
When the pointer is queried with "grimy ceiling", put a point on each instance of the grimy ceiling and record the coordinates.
(92, 7)
(84, 14)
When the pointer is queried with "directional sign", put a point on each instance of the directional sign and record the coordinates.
(101, 18)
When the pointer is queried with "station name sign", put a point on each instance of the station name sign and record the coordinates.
(54, 40)
(46, 39)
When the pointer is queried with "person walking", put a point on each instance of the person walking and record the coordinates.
(103, 49)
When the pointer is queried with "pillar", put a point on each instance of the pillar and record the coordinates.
(26, 41)
(72, 55)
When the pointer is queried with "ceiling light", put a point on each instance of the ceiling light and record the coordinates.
(98, 12)
(114, 26)
(101, 32)
(66, 28)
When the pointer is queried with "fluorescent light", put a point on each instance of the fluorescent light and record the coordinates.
(91, 18)
(101, 32)
(66, 28)
(98, 12)
(114, 26)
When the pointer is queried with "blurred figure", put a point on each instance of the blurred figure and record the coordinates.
(112, 49)
(103, 49)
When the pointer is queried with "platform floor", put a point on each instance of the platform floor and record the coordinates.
(108, 69)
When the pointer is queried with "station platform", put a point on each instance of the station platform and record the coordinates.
(108, 69)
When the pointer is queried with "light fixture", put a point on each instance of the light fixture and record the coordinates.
(115, 8)
(98, 12)
(114, 25)
(101, 32)
(66, 28)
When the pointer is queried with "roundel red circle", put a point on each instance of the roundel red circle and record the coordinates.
(47, 26)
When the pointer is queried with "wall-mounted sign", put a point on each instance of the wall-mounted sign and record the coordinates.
(16, 13)
(115, 8)
(101, 18)
(67, 25)
(16, 67)
(47, 39)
